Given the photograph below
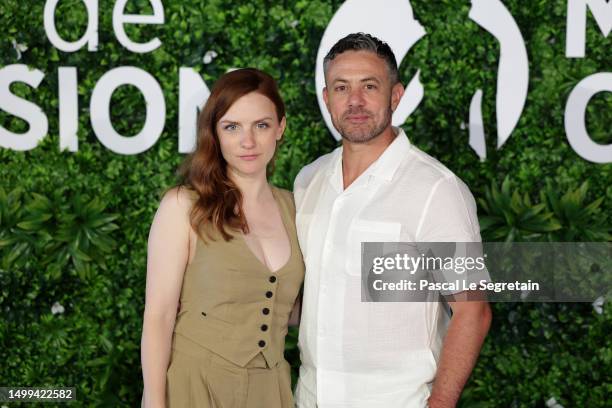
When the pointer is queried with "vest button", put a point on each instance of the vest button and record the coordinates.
(264, 327)
(269, 294)
(272, 279)
(265, 311)
(262, 343)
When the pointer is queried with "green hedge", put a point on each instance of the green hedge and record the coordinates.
(73, 226)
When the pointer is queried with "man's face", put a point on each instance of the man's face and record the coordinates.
(359, 95)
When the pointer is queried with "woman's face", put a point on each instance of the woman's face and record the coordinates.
(248, 133)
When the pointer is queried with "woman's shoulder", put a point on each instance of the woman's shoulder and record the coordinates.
(178, 200)
(286, 196)
(171, 220)
(283, 193)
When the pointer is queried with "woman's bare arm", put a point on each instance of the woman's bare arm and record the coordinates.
(167, 256)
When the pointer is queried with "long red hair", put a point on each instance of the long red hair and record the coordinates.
(219, 202)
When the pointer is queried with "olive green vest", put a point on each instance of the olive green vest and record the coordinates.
(232, 304)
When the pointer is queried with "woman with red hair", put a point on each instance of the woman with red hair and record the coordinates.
(224, 267)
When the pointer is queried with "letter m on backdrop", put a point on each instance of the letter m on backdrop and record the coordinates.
(576, 23)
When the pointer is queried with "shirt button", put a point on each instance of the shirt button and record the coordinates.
(269, 294)
(265, 311)
(264, 327)
(262, 343)
(272, 279)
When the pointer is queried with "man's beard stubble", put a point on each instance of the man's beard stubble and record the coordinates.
(365, 134)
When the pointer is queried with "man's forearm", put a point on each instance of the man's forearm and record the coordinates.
(466, 333)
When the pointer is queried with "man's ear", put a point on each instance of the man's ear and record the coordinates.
(396, 95)
(281, 128)
(326, 97)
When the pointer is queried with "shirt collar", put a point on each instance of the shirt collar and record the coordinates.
(383, 168)
(387, 164)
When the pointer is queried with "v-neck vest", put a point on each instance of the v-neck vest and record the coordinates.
(231, 304)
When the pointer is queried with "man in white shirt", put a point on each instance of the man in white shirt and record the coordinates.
(378, 187)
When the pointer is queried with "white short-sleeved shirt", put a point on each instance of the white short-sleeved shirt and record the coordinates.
(376, 355)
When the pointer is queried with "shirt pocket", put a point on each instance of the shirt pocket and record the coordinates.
(213, 327)
(204, 329)
(367, 231)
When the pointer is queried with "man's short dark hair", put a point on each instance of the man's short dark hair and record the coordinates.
(364, 42)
